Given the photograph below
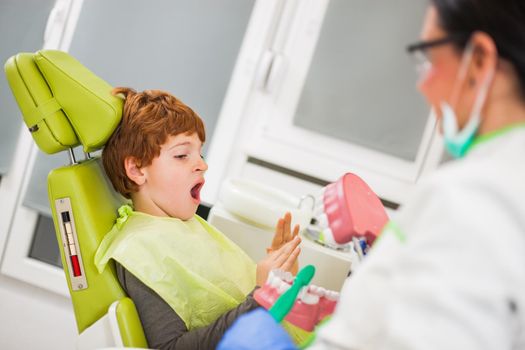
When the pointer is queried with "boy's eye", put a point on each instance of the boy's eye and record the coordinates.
(181, 156)
(202, 156)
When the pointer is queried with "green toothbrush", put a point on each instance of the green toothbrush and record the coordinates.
(285, 302)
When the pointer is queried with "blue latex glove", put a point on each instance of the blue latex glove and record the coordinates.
(256, 330)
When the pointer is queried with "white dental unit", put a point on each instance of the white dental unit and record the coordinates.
(247, 212)
(332, 266)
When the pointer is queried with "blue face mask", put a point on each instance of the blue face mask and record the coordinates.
(457, 142)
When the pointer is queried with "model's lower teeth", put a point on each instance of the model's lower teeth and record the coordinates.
(313, 303)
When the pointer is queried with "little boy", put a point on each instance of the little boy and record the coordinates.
(188, 281)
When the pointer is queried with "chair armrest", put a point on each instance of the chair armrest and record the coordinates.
(119, 328)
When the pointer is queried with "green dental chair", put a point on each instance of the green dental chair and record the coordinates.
(64, 105)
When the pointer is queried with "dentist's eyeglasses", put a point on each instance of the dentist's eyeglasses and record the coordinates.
(419, 50)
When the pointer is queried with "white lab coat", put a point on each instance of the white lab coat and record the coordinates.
(458, 280)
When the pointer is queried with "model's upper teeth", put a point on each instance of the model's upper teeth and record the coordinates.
(274, 281)
(283, 287)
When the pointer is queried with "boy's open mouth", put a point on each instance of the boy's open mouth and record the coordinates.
(196, 190)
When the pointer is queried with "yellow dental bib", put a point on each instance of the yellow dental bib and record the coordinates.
(199, 272)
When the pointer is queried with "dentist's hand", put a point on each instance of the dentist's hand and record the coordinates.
(283, 258)
(283, 235)
(256, 330)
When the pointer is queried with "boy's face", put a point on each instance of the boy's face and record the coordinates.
(172, 182)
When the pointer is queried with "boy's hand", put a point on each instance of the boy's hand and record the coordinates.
(283, 258)
(283, 235)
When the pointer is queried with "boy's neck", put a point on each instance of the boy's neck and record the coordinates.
(145, 205)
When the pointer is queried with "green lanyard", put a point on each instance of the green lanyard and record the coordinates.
(494, 134)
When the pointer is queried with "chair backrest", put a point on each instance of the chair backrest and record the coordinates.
(64, 106)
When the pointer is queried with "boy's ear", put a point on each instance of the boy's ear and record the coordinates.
(134, 171)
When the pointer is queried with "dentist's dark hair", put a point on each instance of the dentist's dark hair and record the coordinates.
(503, 20)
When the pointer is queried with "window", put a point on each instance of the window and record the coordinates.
(188, 48)
(335, 92)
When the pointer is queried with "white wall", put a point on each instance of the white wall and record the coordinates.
(33, 318)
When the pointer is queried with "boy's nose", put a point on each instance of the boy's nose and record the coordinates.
(201, 165)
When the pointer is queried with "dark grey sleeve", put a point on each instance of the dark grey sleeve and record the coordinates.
(164, 329)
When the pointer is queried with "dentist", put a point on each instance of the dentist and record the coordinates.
(449, 273)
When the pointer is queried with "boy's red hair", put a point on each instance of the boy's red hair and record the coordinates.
(148, 118)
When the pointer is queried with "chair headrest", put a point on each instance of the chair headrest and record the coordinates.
(63, 103)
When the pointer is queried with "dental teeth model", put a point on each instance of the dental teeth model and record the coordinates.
(347, 211)
(312, 305)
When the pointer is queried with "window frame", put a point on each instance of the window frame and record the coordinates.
(264, 129)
